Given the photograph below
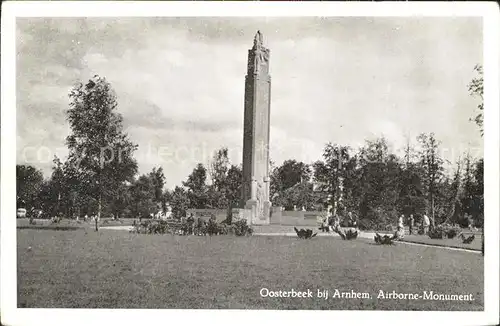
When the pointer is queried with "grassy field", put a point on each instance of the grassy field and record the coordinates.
(423, 239)
(456, 242)
(112, 269)
(46, 223)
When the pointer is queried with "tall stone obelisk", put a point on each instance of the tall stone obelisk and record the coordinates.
(255, 190)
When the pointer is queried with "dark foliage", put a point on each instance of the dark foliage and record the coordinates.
(305, 234)
(384, 240)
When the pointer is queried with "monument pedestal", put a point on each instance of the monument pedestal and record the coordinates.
(256, 216)
(266, 218)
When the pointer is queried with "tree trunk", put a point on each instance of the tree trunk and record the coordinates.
(433, 217)
(454, 204)
(99, 207)
(482, 244)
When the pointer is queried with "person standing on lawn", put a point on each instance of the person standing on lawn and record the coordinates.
(426, 222)
(351, 220)
(411, 223)
(401, 225)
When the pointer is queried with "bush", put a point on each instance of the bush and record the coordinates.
(444, 230)
(351, 234)
(241, 228)
(212, 227)
(201, 227)
(436, 233)
(152, 227)
(451, 231)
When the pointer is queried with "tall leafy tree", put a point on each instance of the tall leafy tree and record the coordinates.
(300, 195)
(58, 186)
(479, 192)
(197, 187)
(330, 173)
(143, 196)
(218, 170)
(291, 173)
(411, 196)
(158, 180)
(380, 182)
(285, 180)
(234, 183)
(455, 212)
(432, 166)
(29, 181)
(468, 186)
(53, 193)
(99, 149)
(179, 200)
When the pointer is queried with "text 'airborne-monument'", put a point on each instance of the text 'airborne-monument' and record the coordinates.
(255, 190)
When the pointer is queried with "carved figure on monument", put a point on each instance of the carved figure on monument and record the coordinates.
(261, 54)
(260, 207)
(257, 40)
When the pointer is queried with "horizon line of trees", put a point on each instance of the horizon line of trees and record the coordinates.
(101, 177)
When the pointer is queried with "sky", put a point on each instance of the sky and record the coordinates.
(180, 84)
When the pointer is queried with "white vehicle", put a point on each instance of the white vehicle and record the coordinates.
(21, 213)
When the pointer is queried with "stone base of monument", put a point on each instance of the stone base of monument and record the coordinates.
(254, 217)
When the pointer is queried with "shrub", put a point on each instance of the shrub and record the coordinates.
(451, 231)
(241, 228)
(436, 233)
(444, 230)
(201, 227)
(212, 227)
(351, 234)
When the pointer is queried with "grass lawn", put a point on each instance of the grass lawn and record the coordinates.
(456, 242)
(112, 269)
(46, 223)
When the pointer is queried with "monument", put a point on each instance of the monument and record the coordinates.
(255, 190)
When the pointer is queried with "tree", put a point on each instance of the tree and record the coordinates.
(53, 194)
(291, 173)
(29, 182)
(468, 186)
(476, 90)
(58, 187)
(331, 173)
(380, 179)
(479, 192)
(456, 193)
(218, 170)
(234, 182)
(158, 181)
(411, 196)
(123, 202)
(432, 166)
(197, 188)
(284, 179)
(143, 196)
(299, 195)
(179, 200)
(99, 149)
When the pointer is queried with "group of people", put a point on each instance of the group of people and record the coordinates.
(425, 224)
(333, 221)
